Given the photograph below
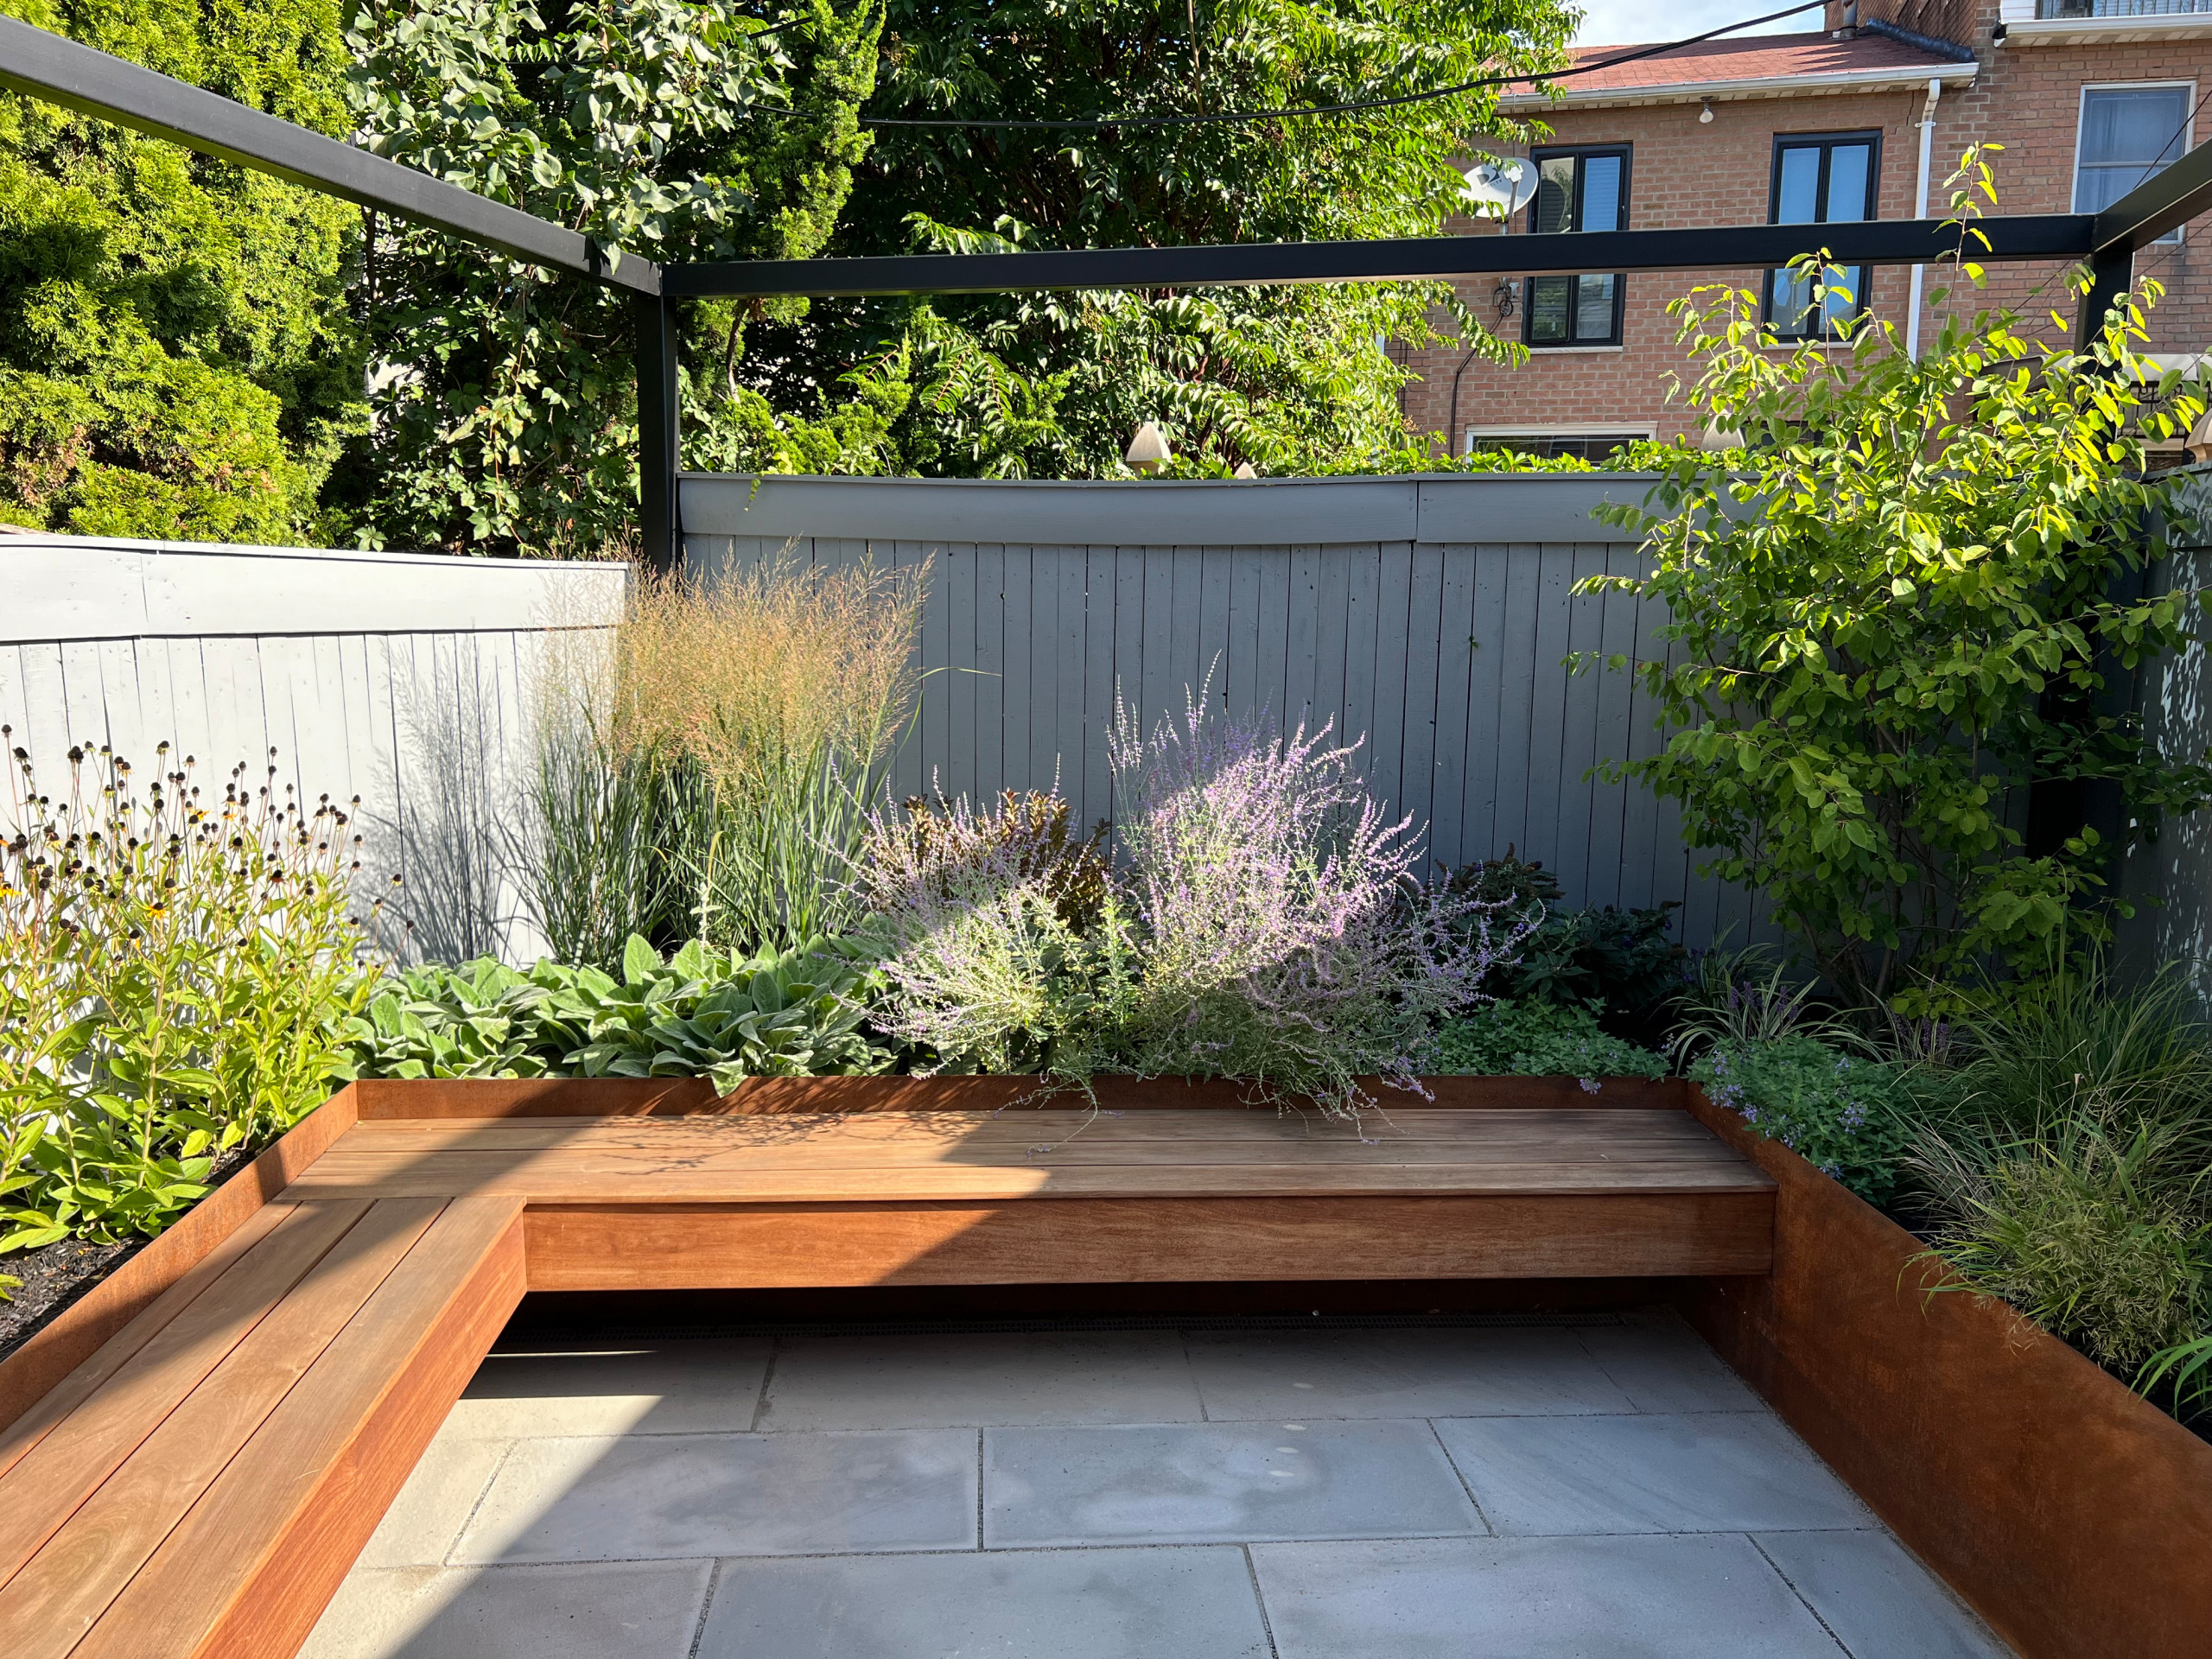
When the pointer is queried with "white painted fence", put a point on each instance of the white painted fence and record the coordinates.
(403, 678)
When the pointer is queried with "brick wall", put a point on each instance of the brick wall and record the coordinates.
(1685, 173)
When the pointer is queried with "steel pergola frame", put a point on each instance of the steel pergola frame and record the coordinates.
(40, 64)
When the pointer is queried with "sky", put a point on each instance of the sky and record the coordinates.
(1616, 22)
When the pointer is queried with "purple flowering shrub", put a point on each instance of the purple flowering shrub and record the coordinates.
(1283, 937)
(1004, 947)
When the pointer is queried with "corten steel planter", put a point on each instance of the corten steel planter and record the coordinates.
(2072, 1515)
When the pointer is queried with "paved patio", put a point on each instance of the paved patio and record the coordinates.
(1602, 1488)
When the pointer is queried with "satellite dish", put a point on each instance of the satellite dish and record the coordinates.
(1499, 189)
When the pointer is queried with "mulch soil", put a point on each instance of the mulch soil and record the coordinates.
(52, 1277)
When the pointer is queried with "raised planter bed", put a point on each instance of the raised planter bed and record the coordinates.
(2073, 1516)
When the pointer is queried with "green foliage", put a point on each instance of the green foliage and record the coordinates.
(700, 1012)
(2079, 1231)
(2067, 1166)
(1052, 385)
(1620, 958)
(1538, 1038)
(1894, 615)
(175, 359)
(507, 413)
(1846, 1116)
(171, 971)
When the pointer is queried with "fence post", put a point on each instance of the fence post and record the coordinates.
(659, 442)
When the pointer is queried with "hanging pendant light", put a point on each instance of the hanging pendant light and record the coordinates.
(1149, 451)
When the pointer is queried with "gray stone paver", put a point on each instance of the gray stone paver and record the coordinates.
(1077, 1604)
(1435, 1373)
(634, 1610)
(835, 1489)
(969, 1381)
(1875, 1598)
(1219, 1483)
(1654, 1598)
(1723, 1472)
(670, 1496)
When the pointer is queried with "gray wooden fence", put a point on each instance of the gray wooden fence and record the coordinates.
(403, 678)
(1430, 616)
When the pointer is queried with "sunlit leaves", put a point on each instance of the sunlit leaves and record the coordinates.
(1874, 669)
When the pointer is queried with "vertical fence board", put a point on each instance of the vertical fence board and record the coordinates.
(1485, 736)
(1392, 624)
(1454, 704)
(1577, 792)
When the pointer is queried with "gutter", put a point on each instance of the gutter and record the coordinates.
(1902, 78)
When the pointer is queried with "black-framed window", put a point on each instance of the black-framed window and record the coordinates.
(1821, 179)
(1584, 188)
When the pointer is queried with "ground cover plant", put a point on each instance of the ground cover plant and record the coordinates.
(1537, 1039)
(173, 970)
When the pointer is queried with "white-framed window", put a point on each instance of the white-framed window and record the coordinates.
(2127, 133)
(1592, 440)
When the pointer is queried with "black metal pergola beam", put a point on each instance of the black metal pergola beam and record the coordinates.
(47, 66)
(1740, 247)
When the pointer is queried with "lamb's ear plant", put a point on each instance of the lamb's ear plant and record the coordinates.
(1893, 610)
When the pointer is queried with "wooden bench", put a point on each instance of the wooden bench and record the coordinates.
(241, 1414)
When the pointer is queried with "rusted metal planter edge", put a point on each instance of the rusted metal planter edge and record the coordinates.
(2074, 1515)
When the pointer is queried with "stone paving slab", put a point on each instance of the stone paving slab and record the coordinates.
(1086, 1603)
(935, 1381)
(425, 1519)
(1297, 1374)
(1219, 1481)
(632, 1610)
(1875, 1598)
(1660, 1364)
(671, 1388)
(1713, 1598)
(1731, 1472)
(1646, 1502)
(668, 1496)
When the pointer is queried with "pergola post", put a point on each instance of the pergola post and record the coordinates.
(2112, 273)
(659, 441)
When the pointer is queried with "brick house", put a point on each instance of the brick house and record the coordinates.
(2086, 96)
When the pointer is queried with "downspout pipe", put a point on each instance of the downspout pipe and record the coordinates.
(1927, 155)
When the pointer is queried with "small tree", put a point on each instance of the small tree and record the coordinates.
(1895, 611)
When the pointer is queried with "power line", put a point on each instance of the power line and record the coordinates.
(1223, 116)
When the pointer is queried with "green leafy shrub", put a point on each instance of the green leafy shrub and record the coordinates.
(700, 1012)
(173, 970)
(175, 356)
(1621, 959)
(1537, 1039)
(1846, 1116)
(1869, 675)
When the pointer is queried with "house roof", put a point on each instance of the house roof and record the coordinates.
(1761, 66)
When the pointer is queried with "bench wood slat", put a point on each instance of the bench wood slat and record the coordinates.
(285, 1521)
(59, 1401)
(48, 1606)
(889, 1131)
(609, 1177)
(70, 1462)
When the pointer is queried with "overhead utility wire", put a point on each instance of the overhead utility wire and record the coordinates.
(1221, 117)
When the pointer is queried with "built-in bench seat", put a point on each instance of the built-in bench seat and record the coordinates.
(201, 1481)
